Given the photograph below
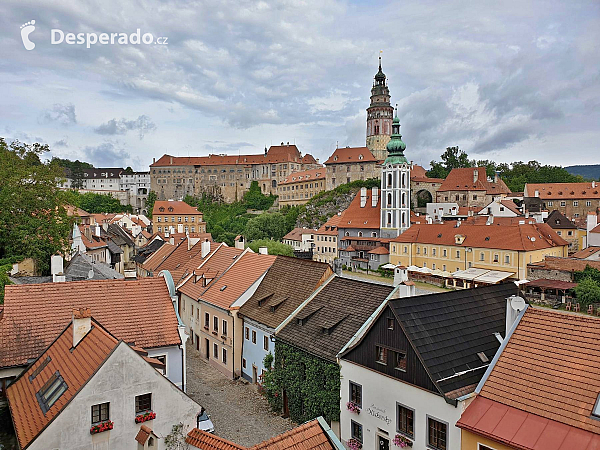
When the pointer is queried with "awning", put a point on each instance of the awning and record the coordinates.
(388, 266)
(469, 274)
(552, 284)
(493, 277)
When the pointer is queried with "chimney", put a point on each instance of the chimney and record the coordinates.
(496, 177)
(374, 197)
(593, 185)
(490, 220)
(56, 265)
(400, 275)
(97, 230)
(82, 323)
(171, 160)
(265, 150)
(363, 197)
(239, 242)
(172, 240)
(205, 249)
(512, 311)
(263, 250)
(475, 175)
(153, 160)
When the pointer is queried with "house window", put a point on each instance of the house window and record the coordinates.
(224, 328)
(206, 320)
(483, 447)
(569, 233)
(192, 313)
(224, 356)
(445, 253)
(482, 256)
(433, 252)
(381, 355)
(563, 203)
(143, 403)
(390, 323)
(216, 324)
(51, 391)
(266, 343)
(406, 420)
(253, 337)
(588, 203)
(162, 359)
(495, 257)
(215, 351)
(436, 434)
(506, 259)
(425, 251)
(100, 413)
(356, 431)
(244, 363)
(575, 203)
(356, 394)
(458, 254)
(550, 203)
(405, 249)
(247, 333)
(400, 361)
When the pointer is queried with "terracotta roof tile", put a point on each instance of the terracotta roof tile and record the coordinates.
(550, 368)
(557, 191)
(76, 366)
(356, 216)
(208, 441)
(156, 258)
(525, 237)
(565, 264)
(236, 280)
(178, 207)
(281, 292)
(351, 155)
(586, 252)
(137, 311)
(296, 234)
(462, 179)
(143, 434)
(381, 250)
(304, 176)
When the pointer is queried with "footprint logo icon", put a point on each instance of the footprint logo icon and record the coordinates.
(26, 30)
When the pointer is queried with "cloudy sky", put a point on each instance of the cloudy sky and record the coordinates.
(509, 80)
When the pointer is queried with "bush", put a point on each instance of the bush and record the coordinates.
(273, 247)
(588, 291)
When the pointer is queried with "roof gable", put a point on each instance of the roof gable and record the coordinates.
(472, 179)
(351, 155)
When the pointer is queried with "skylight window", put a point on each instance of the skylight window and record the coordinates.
(596, 410)
(223, 288)
(51, 392)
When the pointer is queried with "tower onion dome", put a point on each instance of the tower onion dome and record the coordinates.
(380, 76)
(395, 146)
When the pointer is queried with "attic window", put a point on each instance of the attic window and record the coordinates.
(51, 391)
(41, 367)
(440, 235)
(487, 238)
(483, 357)
(596, 410)
(223, 288)
(161, 209)
(170, 208)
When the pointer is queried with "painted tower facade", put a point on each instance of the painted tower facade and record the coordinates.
(379, 116)
(395, 186)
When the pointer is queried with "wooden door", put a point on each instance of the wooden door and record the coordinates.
(383, 443)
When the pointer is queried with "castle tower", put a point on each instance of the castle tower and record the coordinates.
(395, 186)
(379, 116)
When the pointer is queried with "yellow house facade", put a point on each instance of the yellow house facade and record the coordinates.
(507, 248)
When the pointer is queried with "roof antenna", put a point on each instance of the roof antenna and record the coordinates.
(336, 145)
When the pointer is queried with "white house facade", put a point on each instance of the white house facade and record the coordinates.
(256, 345)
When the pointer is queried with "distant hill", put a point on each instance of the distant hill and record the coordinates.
(590, 171)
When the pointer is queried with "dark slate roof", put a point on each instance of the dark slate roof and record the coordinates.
(120, 236)
(31, 280)
(113, 248)
(79, 269)
(282, 289)
(450, 328)
(148, 250)
(344, 305)
(558, 221)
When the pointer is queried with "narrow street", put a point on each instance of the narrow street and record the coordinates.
(237, 410)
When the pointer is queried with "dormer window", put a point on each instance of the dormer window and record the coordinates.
(161, 209)
(170, 208)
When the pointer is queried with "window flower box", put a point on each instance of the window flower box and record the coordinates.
(215, 333)
(353, 407)
(144, 417)
(354, 444)
(206, 328)
(223, 337)
(100, 427)
(402, 441)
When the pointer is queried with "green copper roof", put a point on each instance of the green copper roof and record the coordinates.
(395, 146)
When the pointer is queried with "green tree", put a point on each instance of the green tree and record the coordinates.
(255, 199)
(266, 226)
(150, 203)
(33, 219)
(273, 247)
(588, 291)
(101, 203)
(452, 158)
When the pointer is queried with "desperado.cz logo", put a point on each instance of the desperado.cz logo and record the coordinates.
(58, 36)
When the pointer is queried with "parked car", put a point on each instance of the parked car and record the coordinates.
(204, 423)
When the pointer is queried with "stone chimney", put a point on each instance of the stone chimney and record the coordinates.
(239, 242)
(82, 323)
(363, 197)
(475, 175)
(374, 197)
(153, 160)
(263, 250)
(205, 249)
(171, 160)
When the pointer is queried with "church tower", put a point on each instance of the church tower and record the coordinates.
(379, 116)
(395, 186)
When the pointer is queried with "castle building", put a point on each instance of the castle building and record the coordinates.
(395, 186)
(379, 116)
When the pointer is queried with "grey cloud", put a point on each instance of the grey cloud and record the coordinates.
(61, 143)
(61, 114)
(106, 154)
(503, 138)
(143, 124)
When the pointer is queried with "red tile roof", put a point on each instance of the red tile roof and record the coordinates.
(217, 262)
(356, 216)
(351, 155)
(236, 280)
(380, 251)
(330, 228)
(156, 258)
(176, 261)
(308, 436)
(461, 179)
(565, 264)
(296, 234)
(511, 206)
(139, 311)
(76, 366)
(143, 434)
(307, 175)
(173, 207)
(557, 191)
(419, 174)
(526, 237)
(548, 370)
(586, 252)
